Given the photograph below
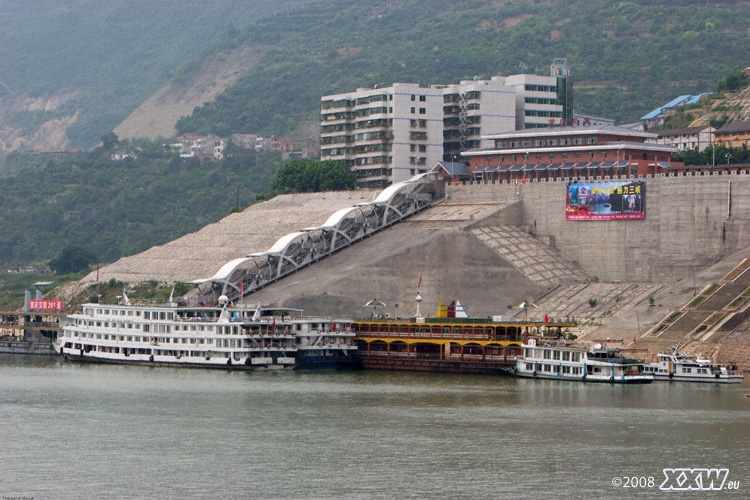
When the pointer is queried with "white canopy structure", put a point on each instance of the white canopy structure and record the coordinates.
(296, 250)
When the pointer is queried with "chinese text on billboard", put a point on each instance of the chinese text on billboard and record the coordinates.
(606, 201)
(45, 305)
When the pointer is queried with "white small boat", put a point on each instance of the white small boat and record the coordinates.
(554, 359)
(676, 365)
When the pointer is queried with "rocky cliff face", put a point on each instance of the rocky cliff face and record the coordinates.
(49, 135)
(155, 117)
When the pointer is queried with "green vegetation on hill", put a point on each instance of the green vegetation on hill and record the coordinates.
(626, 58)
(102, 58)
(117, 208)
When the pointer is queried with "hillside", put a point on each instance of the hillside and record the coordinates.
(626, 58)
(91, 65)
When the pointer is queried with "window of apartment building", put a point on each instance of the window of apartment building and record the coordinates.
(539, 156)
(412, 147)
(422, 111)
(551, 156)
(422, 123)
(513, 144)
(413, 160)
(500, 158)
(604, 155)
(563, 142)
(526, 144)
(591, 155)
(551, 142)
(413, 123)
(422, 148)
(578, 155)
(514, 158)
(577, 141)
(564, 156)
(413, 97)
(413, 110)
(423, 98)
(472, 105)
(591, 140)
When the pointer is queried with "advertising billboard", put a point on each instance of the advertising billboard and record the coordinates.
(606, 201)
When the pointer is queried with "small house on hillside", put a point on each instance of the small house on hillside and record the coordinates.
(457, 172)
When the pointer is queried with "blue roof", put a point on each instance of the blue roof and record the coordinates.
(683, 100)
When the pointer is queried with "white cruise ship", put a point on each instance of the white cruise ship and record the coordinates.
(236, 337)
(556, 360)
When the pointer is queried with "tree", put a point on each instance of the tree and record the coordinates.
(109, 141)
(310, 176)
(734, 81)
(72, 259)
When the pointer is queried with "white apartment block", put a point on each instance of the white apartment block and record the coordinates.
(474, 108)
(384, 135)
(537, 103)
(389, 134)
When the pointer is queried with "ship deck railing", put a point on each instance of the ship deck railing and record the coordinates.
(435, 336)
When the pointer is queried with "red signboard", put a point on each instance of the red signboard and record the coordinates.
(45, 305)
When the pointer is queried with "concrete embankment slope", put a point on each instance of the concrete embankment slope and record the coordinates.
(199, 255)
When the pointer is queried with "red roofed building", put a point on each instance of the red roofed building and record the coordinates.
(590, 152)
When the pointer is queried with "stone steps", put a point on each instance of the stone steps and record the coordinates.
(539, 262)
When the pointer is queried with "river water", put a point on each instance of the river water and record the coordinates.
(73, 431)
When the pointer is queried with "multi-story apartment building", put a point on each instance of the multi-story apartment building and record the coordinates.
(537, 102)
(384, 134)
(389, 134)
(472, 108)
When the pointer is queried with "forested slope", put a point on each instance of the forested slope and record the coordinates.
(626, 58)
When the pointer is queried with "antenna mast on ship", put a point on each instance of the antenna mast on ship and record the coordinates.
(419, 297)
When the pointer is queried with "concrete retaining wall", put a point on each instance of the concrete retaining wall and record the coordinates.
(691, 222)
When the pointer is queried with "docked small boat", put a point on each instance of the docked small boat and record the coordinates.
(675, 365)
(555, 359)
(224, 336)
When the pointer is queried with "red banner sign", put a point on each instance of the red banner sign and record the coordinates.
(45, 305)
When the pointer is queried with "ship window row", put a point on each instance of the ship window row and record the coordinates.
(553, 354)
(154, 315)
